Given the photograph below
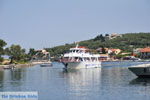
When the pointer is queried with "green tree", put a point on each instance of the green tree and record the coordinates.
(99, 37)
(31, 53)
(16, 53)
(106, 34)
(2, 44)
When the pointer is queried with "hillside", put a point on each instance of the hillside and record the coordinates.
(126, 42)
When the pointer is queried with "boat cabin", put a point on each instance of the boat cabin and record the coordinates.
(78, 54)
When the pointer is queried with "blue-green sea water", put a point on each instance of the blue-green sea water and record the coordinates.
(111, 82)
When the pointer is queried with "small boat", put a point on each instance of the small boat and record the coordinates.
(9, 66)
(46, 64)
(80, 57)
(142, 70)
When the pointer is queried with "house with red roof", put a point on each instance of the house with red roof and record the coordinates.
(109, 50)
(115, 51)
(145, 53)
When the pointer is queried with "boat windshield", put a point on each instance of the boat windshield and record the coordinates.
(76, 51)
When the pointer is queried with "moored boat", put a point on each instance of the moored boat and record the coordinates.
(12, 66)
(80, 57)
(142, 70)
(47, 64)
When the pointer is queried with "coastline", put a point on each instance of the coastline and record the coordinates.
(11, 66)
(30, 64)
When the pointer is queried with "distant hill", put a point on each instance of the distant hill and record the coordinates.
(126, 42)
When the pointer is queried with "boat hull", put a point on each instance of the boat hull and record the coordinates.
(46, 65)
(140, 71)
(78, 65)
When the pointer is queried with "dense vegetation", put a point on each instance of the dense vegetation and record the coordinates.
(16, 54)
(126, 43)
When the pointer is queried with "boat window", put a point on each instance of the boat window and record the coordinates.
(94, 58)
(66, 58)
(99, 58)
(76, 58)
(87, 59)
(80, 59)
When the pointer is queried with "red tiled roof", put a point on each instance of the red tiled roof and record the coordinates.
(82, 47)
(145, 49)
(114, 50)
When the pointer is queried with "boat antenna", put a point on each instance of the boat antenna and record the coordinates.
(49, 56)
(77, 45)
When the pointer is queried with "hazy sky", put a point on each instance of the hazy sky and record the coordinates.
(47, 23)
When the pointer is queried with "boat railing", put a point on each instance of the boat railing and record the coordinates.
(78, 60)
(71, 60)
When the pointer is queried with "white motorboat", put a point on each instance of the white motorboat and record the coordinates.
(46, 64)
(142, 70)
(80, 57)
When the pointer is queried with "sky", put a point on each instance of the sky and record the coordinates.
(47, 23)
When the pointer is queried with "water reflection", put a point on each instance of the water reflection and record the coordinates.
(82, 82)
(17, 75)
(11, 78)
(106, 83)
(83, 75)
(1, 78)
(14, 75)
(141, 81)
